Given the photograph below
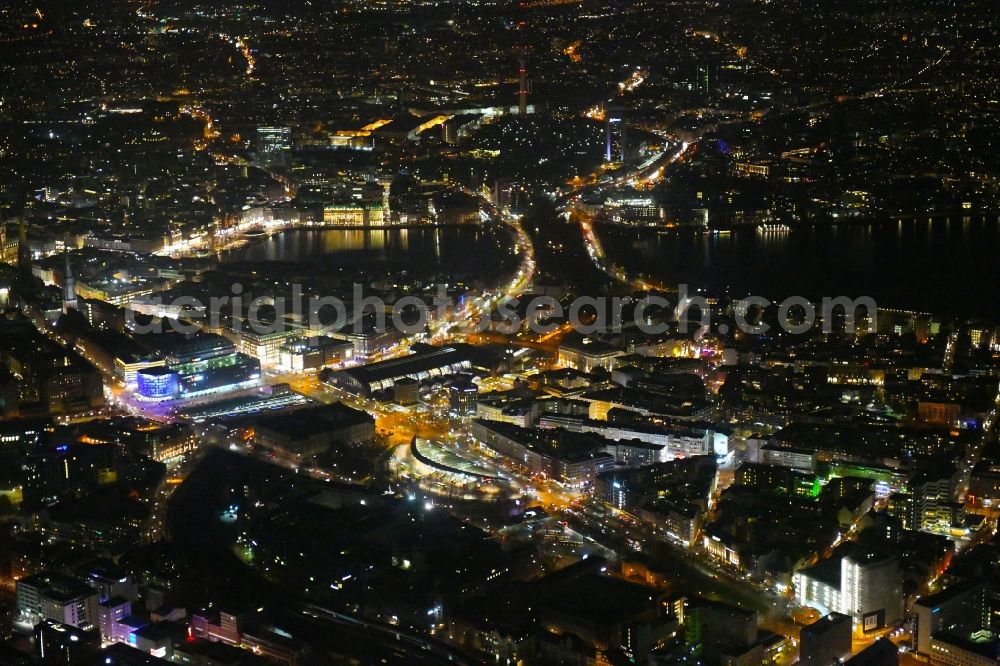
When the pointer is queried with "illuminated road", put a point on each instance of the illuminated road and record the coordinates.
(650, 170)
(975, 453)
(468, 318)
(153, 530)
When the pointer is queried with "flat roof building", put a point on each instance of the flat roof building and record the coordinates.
(826, 641)
(586, 354)
(882, 652)
(961, 609)
(312, 430)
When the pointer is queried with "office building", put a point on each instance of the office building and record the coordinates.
(196, 365)
(159, 638)
(179, 349)
(615, 136)
(722, 633)
(932, 507)
(64, 645)
(109, 614)
(462, 397)
(569, 458)
(868, 587)
(55, 597)
(826, 641)
(371, 334)
(788, 457)
(127, 367)
(265, 346)
(980, 649)
(313, 353)
(961, 610)
(984, 484)
(70, 301)
(109, 580)
(274, 145)
(872, 590)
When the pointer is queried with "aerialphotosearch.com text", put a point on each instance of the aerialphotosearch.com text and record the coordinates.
(411, 315)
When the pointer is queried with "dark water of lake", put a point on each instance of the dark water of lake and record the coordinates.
(462, 250)
(947, 266)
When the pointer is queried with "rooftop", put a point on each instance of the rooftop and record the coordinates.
(311, 421)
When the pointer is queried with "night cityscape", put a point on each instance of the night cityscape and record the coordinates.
(520, 332)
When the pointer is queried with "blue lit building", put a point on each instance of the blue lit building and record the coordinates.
(196, 365)
(157, 383)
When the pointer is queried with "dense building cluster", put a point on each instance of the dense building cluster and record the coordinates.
(416, 331)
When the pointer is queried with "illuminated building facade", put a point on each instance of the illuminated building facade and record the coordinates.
(868, 587)
(195, 365)
(221, 374)
(157, 383)
(353, 215)
(128, 366)
(462, 398)
(587, 354)
(313, 353)
(426, 362)
(265, 346)
(58, 598)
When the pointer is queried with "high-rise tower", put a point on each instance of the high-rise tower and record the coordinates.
(615, 135)
(69, 283)
(522, 49)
